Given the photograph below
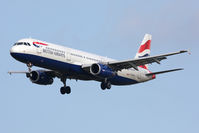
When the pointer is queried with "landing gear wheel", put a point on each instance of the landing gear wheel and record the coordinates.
(62, 90)
(28, 75)
(103, 86)
(68, 90)
(65, 90)
(108, 85)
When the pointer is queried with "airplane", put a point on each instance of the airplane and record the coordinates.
(67, 63)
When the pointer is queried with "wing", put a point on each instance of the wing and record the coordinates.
(48, 72)
(54, 74)
(18, 72)
(119, 65)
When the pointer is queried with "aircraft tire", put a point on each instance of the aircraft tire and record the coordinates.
(108, 85)
(68, 90)
(103, 86)
(62, 90)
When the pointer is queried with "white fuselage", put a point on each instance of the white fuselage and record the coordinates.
(44, 53)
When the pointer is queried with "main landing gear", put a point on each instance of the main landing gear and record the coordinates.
(65, 89)
(105, 85)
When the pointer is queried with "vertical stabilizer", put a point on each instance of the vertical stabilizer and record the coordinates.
(144, 49)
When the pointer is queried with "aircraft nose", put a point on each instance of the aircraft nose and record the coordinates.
(13, 51)
(16, 49)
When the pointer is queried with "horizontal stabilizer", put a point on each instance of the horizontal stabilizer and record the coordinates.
(172, 70)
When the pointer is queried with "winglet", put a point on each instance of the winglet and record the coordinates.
(184, 51)
(10, 73)
(189, 52)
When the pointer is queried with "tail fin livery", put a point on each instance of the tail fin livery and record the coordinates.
(144, 49)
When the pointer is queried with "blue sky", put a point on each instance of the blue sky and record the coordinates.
(110, 28)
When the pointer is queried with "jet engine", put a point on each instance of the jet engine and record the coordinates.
(40, 77)
(101, 70)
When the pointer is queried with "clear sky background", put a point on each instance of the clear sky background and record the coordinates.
(112, 28)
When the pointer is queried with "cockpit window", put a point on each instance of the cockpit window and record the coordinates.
(22, 43)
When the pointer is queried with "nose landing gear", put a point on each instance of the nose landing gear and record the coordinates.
(29, 65)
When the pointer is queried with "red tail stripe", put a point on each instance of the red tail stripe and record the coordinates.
(40, 43)
(147, 45)
(144, 66)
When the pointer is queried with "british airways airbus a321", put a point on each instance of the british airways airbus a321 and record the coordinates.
(67, 63)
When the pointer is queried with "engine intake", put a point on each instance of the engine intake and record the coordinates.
(101, 70)
(40, 77)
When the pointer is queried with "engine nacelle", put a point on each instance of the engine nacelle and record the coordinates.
(40, 77)
(101, 70)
